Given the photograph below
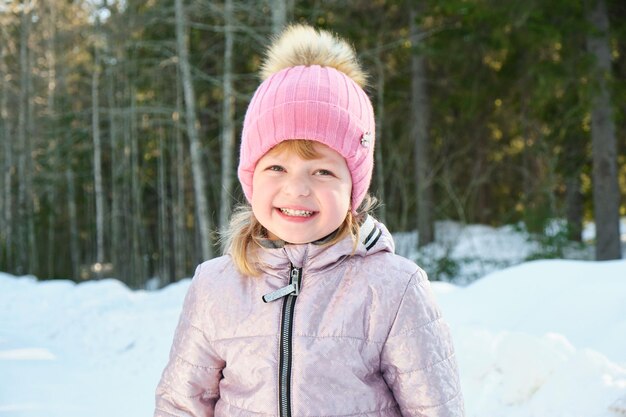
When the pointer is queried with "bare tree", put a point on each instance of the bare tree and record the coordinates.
(420, 110)
(228, 117)
(50, 35)
(279, 15)
(164, 226)
(138, 272)
(606, 194)
(380, 124)
(178, 184)
(6, 195)
(26, 239)
(71, 209)
(97, 146)
(116, 173)
(202, 205)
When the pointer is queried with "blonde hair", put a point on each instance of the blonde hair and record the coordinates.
(242, 239)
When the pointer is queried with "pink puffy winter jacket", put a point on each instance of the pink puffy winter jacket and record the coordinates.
(321, 333)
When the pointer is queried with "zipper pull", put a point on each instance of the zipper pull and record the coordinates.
(292, 289)
(281, 292)
(295, 274)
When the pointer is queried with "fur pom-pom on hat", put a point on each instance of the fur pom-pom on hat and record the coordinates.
(304, 45)
(312, 89)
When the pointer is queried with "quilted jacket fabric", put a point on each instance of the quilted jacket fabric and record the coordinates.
(367, 339)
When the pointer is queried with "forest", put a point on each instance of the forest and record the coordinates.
(120, 122)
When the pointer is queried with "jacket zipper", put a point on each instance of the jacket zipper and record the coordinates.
(284, 375)
(291, 291)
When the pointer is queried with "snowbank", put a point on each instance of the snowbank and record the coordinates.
(544, 338)
(541, 339)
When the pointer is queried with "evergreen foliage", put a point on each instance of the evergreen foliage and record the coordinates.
(509, 88)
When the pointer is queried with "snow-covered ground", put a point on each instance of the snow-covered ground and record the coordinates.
(544, 338)
(539, 339)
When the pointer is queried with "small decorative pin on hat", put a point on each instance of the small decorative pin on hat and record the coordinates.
(366, 139)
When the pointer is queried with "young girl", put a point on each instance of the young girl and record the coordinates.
(309, 313)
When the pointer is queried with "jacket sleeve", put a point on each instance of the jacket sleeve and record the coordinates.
(417, 359)
(189, 385)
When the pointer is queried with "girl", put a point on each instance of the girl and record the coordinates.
(309, 313)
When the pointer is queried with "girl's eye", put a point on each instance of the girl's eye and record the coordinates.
(275, 168)
(324, 172)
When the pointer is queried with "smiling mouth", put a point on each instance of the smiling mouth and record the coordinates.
(296, 213)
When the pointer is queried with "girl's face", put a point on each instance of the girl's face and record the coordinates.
(301, 200)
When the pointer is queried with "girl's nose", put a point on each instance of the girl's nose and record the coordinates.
(297, 186)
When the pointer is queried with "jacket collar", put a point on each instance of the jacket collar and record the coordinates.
(314, 257)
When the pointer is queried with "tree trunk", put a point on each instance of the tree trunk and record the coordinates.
(6, 195)
(606, 194)
(279, 15)
(33, 264)
(228, 118)
(380, 123)
(178, 184)
(136, 216)
(24, 220)
(574, 213)
(71, 209)
(126, 255)
(419, 131)
(164, 232)
(202, 206)
(97, 148)
(116, 175)
(574, 159)
(51, 61)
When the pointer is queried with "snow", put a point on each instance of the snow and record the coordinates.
(544, 338)
(538, 339)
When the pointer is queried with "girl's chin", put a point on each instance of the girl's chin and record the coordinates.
(295, 237)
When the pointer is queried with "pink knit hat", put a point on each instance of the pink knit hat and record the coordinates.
(311, 102)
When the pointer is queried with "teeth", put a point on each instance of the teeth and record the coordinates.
(298, 213)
